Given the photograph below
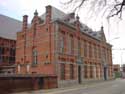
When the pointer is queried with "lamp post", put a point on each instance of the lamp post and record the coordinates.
(113, 39)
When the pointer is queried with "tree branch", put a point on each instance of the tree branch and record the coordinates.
(118, 11)
(80, 5)
(115, 6)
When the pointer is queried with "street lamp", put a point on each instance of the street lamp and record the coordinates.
(113, 39)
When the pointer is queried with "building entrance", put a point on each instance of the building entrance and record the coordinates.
(105, 73)
(79, 74)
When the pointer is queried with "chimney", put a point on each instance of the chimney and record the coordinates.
(77, 23)
(48, 13)
(25, 23)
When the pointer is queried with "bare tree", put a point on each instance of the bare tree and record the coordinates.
(114, 7)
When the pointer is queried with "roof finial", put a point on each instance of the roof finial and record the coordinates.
(102, 28)
(36, 13)
(77, 17)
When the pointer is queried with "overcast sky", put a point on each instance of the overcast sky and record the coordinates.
(17, 8)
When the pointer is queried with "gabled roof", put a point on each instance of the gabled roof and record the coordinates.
(9, 27)
(70, 20)
(56, 14)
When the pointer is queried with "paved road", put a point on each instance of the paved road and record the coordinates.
(109, 87)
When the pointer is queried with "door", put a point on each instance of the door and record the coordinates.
(79, 74)
(105, 73)
(41, 83)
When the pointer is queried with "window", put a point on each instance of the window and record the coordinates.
(71, 45)
(46, 29)
(11, 59)
(85, 71)
(0, 51)
(71, 71)
(6, 59)
(103, 54)
(95, 51)
(90, 51)
(62, 71)
(3, 51)
(79, 48)
(12, 51)
(85, 49)
(34, 57)
(62, 44)
(1, 59)
(91, 71)
(62, 38)
(99, 52)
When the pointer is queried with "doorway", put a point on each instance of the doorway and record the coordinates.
(105, 73)
(79, 74)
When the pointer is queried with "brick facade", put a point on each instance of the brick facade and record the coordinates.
(60, 47)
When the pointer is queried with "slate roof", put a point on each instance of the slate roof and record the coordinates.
(56, 14)
(9, 27)
(61, 16)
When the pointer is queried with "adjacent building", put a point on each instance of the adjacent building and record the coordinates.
(117, 71)
(8, 29)
(123, 70)
(58, 44)
(116, 68)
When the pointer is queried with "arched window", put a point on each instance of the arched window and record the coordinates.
(34, 56)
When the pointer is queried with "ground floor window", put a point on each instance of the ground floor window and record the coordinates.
(85, 71)
(91, 71)
(71, 71)
(62, 71)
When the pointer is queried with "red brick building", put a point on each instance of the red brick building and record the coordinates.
(116, 68)
(7, 55)
(59, 44)
(8, 29)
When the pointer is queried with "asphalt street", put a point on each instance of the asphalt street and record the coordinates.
(107, 87)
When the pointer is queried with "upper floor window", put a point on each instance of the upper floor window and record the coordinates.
(85, 49)
(90, 50)
(71, 45)
(0, 51)
(12, 51)
(1, 59)
(103, 53)
(95, 51)
(99, 50)
(61, 42)
(79, 48)
(34, 57)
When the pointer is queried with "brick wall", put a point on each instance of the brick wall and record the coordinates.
(16, 84)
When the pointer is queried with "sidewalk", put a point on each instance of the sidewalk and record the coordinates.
(59, 90)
